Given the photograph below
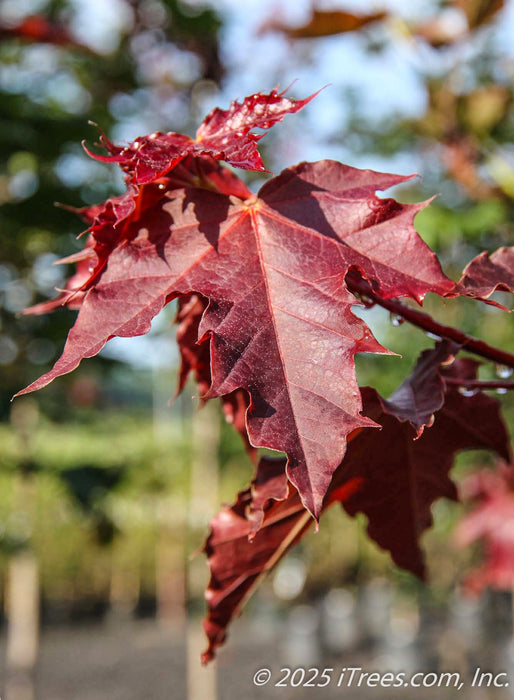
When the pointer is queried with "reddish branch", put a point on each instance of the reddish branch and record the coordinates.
(361, 287)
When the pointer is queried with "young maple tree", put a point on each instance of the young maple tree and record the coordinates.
(265, 286)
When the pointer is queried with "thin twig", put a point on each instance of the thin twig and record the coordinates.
(422, 320)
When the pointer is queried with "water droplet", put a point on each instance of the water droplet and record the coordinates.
(467, 391)
(503, 371)
(501, 390)
(396, 319)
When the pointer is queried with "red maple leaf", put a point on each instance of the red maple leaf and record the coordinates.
(237, 558)
(392, 475)
(223, 135)
(108, 223)
(280, 320)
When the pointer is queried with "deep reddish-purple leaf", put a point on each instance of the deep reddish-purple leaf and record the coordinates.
(235, 407)
(403, 477)
(487, 274)
(422, 393)
(391, 475)
(237, 565)
(247, 540)
(270, 484)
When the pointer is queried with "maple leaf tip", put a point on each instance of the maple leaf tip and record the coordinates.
(86, 149)
(95, 156)
(315, 511)
(275, 89)
(327, 85)
(206, 656)
(27, 390)
(60, 205)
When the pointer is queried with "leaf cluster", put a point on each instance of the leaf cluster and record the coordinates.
(266, 286)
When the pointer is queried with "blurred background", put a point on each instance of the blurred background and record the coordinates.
(106, 488)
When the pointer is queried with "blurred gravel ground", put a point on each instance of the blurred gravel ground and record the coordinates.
(140, 660)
